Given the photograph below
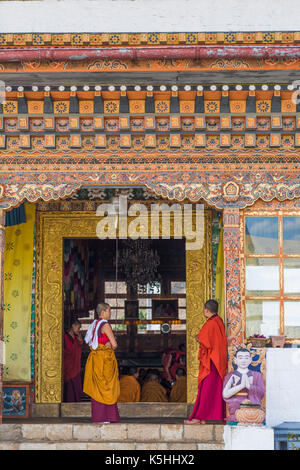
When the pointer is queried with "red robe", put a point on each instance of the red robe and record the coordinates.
(213, 346)
(209, 404)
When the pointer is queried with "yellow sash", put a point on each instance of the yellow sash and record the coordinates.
(101, 378)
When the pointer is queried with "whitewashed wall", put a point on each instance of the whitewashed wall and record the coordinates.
(148, 15)
(283, 385)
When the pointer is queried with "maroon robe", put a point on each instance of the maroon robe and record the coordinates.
(72, 369)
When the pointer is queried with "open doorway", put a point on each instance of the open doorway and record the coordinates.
(149, 321)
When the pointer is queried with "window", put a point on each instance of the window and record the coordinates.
(271, 274)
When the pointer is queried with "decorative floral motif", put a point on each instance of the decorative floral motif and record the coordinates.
(114, 39)
(153, 38)
(61, 107)
(10, 107)
(162, 107)
(268, 37)
(111, 107)
(9, 246)
(191, 38)
(212, 107)
(237, 106)
(263, 106)
(230, 38)
(76, 39)
(211, 38)
(37, 39)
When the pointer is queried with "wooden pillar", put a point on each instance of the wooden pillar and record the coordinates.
(2, 242)
(232, 278)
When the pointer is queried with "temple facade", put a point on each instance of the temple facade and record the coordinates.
(176, 116)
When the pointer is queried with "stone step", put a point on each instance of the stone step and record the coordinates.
(126, 410)
(35, 445)
(127, 436)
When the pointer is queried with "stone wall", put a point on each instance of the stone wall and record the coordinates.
(283, 385)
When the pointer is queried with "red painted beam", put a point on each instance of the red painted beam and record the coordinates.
(149, 52)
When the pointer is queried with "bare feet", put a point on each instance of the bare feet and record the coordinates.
(194, 421)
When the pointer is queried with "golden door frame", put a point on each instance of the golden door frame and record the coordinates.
(52, 229)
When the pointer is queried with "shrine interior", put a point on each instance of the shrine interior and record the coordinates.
(147, 320)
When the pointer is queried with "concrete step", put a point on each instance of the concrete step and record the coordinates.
(119, 436)
(126, 410)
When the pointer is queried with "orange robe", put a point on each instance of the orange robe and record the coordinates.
(178, 393)
(213, 346)
(153, 391)
(130, 389)
(101, 378)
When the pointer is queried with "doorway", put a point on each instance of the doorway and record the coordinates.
(52, 229)
(149, 321)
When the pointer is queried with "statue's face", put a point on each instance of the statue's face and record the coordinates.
(243, 359)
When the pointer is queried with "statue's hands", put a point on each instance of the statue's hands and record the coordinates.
(244, 381)
(249, 381)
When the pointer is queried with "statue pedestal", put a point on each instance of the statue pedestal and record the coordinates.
(248, 437)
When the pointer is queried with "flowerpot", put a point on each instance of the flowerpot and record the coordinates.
(277, 341)
(258, 342)
(249, 413)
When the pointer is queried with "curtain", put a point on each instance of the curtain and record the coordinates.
(15, 216)
(18, 267)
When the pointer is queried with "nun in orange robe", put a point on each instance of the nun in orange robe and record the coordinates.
(101, 379)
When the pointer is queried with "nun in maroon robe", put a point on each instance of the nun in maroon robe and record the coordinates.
(72, 363)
